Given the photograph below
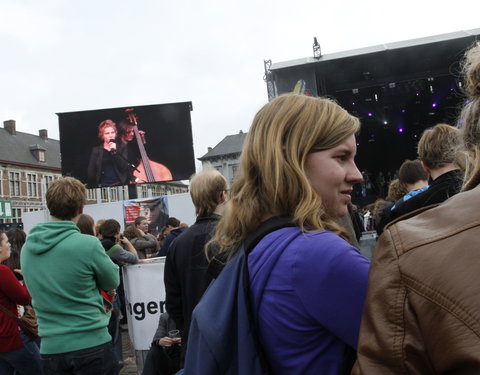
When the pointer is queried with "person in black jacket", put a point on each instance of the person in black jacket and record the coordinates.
(108, 164)
(185, 276)
(437, 150)
(174, 230)
(163, 358)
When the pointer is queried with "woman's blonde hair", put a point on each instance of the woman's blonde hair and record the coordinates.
(272, 178)
(470, 116)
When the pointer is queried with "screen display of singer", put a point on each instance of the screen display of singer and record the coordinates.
(119, 146)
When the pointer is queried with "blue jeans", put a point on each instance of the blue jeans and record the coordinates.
(25, 360)
(95, 360)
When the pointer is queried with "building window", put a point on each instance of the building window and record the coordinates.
(16, 215)
(233, 172)
(91, 194)
(48, 181)
(32, 185)
(105, 194)
(14, 181)
(113, 194)
(41, 155)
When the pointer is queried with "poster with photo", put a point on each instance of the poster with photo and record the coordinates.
(128, 145)
(154, 209)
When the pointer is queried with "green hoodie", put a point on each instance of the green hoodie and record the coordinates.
(64, 271)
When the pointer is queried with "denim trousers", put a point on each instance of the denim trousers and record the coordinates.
(25, 360)
(98, 360)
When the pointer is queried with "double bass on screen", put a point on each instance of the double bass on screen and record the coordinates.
(146, 170)
(120, 161)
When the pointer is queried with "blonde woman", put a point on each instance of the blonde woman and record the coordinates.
(307, 283)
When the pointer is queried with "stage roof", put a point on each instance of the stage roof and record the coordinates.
(397, 90)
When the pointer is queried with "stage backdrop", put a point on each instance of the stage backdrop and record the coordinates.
(167, 134)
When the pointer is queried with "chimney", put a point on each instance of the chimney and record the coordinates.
(43, 133)
(9, 125)
(209, 149)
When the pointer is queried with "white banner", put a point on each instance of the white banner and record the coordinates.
(144, 299)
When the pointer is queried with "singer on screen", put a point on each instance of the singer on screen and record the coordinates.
(108, 165)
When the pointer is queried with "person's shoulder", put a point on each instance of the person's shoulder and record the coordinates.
(86, 241)
(4, 269)
(324, 239)
(294, 238)
(434, 223)
(116, 248)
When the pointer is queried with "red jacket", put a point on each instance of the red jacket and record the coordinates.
(12, 293)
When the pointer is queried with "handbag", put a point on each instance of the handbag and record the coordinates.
(28, 321)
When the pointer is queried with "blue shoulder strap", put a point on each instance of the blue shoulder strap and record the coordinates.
(222, 336)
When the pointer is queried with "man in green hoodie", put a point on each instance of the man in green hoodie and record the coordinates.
(64, 271)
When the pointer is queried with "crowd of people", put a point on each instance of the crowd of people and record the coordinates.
(318, 306)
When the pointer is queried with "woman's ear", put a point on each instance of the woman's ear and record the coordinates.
(223, 196)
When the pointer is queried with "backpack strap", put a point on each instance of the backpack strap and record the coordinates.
(268, 226)
(252, 240)
(218, 262)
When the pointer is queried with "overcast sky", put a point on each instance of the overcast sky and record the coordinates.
(61, 56)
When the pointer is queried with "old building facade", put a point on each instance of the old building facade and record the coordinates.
(225, 156)
(28, 164)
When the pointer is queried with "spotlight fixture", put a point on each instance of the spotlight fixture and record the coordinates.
(317, 52)
(368, 76)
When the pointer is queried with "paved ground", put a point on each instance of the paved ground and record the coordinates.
(130, 366)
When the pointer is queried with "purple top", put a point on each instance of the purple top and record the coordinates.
(308, 291)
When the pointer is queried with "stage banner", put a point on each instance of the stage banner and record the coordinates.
(144, 300)
(154, 209)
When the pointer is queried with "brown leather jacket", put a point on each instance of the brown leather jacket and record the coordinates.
(422, 313)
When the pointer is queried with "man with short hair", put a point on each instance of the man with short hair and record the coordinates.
(186, 277)
(173, 230)
(437, 151)
(64, 271)
(111, 240)
(146, 245)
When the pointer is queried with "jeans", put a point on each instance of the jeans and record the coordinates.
(98, 360)
(25, 360)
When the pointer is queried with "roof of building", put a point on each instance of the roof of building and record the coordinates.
(20, 149)
(230, 145)
(377, 48)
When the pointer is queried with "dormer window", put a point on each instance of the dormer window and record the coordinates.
(39, 152)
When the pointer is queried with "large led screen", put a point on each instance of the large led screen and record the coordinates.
(129, 145)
